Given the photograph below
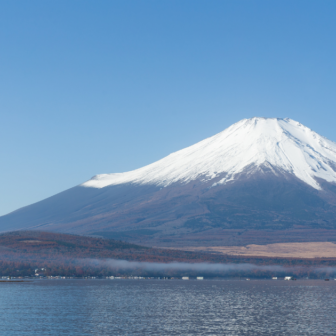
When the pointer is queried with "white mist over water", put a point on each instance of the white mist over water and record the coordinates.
(201, 267)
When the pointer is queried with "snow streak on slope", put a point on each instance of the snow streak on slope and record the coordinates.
(277, 143)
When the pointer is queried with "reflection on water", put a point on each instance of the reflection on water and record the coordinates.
(171, 307)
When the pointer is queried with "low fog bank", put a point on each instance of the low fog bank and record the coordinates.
(207, 269)
(25, 265)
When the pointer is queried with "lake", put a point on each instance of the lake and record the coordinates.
(168, 307)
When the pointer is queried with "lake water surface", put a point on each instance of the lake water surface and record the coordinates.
(168, 307)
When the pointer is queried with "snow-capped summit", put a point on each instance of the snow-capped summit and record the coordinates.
(281, 144)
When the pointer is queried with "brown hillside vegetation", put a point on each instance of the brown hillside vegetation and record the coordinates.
(282, 250)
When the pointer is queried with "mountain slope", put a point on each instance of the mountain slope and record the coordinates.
(259, 174)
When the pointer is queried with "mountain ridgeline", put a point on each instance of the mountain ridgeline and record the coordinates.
(259, 181)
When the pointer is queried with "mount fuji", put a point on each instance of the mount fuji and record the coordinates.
(260, 180)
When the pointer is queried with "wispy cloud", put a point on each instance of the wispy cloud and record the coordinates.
(199, 267)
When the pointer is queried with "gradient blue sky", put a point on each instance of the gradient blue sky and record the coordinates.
(89, 87)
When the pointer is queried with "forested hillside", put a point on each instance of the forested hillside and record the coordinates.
(22, 252)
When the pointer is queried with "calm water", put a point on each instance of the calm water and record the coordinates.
(168, 307)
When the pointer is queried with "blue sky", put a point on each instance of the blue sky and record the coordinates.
(89, 87)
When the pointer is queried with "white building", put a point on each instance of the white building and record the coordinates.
(185, 278)
(199, 278)
(288, 278)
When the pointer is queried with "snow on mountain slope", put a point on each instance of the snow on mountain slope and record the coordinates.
(250, 143)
